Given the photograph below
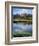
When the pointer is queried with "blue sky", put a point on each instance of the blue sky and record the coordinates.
(20, 11)
(21, 27)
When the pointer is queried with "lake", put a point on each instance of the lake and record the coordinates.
(17, 27)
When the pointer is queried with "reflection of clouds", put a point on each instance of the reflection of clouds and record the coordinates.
(20, 27)
(20, 11)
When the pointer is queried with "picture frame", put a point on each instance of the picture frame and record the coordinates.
(24, 12)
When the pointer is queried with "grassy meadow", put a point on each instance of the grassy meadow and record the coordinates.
(22, 34)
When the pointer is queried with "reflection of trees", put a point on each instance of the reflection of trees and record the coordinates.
(24, 22)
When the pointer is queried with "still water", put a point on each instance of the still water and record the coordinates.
(22, 27)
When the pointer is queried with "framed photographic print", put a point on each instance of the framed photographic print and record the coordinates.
(21, 22)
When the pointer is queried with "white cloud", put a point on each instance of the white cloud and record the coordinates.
(20, 11)
(22, 27)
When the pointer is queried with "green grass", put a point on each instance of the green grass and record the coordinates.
(22, 34)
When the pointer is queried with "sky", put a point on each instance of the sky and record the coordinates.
(21, 27)
(21, 10)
